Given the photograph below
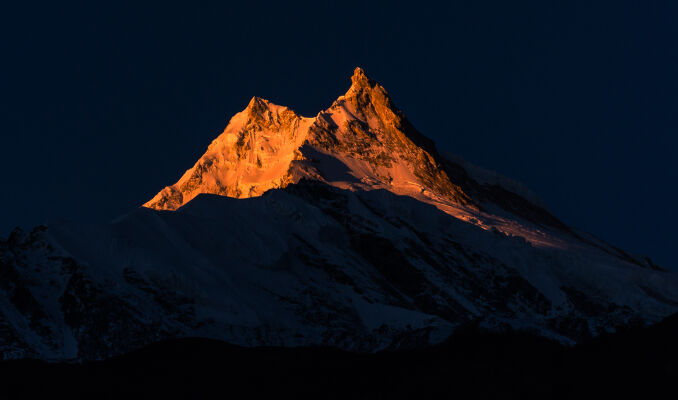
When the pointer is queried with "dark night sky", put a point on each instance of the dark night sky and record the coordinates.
(102, 106)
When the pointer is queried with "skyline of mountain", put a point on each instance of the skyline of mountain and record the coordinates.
(346, 230)
(576, 100)
(339, 199)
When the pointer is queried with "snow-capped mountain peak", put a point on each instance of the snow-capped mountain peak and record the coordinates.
(347, 229)
(361, 141)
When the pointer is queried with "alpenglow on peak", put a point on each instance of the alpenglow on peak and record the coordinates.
(362, 141)
(366, 239)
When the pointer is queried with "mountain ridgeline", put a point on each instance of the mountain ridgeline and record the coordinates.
(348, 230)
(361, 142)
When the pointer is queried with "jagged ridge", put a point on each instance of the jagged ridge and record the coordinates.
(361, 142)
(363, 130)
(374, 241)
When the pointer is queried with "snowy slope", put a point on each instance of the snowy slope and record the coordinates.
(347, 230)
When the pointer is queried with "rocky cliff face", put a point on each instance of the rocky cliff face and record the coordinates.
(348, 229)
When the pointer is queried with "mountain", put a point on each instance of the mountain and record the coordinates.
(362, 142)
(348, 229)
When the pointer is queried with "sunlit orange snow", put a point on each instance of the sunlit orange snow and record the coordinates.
(361, 142)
